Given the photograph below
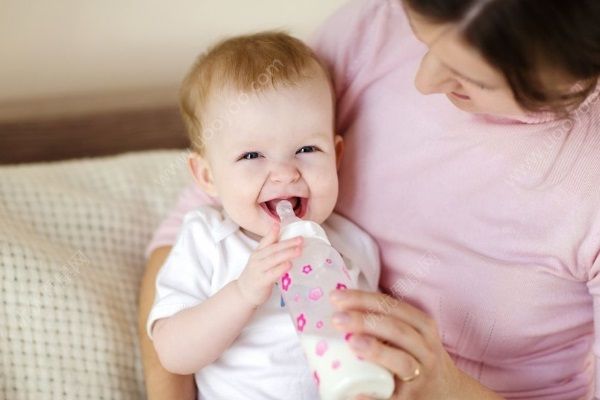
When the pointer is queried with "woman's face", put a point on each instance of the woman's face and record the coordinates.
(454, 68)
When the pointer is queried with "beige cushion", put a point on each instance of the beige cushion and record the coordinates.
(72, 236)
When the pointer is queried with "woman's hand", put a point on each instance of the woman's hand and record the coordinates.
(404, 340)
(266, 265)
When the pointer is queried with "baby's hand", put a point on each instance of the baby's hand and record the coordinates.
(266, 265)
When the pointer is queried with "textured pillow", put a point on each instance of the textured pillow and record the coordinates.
(72, 236)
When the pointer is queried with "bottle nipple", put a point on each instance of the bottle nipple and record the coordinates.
(285, 212)
(293, 226)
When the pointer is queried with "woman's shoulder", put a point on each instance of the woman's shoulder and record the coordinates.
(357, 11)
(358, 30)
(360, 21)
(364, 42)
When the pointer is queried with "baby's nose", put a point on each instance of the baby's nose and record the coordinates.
(284, 172)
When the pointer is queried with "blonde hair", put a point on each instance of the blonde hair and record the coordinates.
(249, 63)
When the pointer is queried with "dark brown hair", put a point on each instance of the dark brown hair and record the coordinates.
(524, 39)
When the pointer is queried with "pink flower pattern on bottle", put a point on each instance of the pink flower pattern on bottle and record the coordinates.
(315, 294)
(306, 285)
(321, 348)
(286, 281)
(301, 322)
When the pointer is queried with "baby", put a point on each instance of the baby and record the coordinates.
(259, 111)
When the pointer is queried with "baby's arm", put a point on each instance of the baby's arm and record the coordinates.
(197, 336)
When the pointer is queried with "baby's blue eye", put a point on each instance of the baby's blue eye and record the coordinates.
(251, 155)
(307, 149)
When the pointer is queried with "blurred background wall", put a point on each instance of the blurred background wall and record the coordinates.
(66, 56)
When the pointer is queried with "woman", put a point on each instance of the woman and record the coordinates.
(483, 196)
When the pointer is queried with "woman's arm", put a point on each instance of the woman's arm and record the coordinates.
(404, 340)
(160, 384)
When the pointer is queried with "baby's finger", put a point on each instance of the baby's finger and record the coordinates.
(270, 237)
(279, 257)
(275, 273)
(268, 251)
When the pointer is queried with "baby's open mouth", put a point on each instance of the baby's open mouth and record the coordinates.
(298, 203)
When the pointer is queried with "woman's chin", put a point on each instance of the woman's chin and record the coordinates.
(462, 104)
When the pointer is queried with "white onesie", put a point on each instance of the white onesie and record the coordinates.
(266, 360)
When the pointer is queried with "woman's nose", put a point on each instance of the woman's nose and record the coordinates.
(284, 172)
(434, 77)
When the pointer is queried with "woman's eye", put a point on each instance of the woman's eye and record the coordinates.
(251, 155)
(472, 83)
(307, 149)
(477, 85)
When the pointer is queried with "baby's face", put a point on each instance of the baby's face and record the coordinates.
(272, 145)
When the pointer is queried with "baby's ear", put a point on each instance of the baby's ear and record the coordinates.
(202, 173)
(338, 142)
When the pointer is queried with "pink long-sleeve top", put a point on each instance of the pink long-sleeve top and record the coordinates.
(491, 226)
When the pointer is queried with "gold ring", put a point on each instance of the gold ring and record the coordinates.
(413, 377)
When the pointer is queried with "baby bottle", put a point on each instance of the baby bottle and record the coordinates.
(337, 371)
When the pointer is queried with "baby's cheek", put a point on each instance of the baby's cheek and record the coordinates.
(325, 196)
(328, 178)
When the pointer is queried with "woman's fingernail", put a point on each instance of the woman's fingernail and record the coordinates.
(360, 343)
(340, 318)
